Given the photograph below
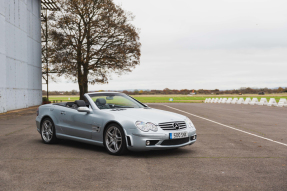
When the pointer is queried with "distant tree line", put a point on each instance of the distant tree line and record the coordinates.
(167, 91)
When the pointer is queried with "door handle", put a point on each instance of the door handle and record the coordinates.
(62, 112)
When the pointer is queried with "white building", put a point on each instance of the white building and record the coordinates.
(20, 54)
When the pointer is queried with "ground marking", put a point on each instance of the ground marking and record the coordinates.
(228, 126)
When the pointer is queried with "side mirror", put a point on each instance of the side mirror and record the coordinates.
(145, 105)
(83, 109)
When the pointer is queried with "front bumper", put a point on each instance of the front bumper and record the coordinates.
(38, 119)
(158, 141)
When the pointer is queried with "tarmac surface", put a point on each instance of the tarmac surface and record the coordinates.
(239, 147)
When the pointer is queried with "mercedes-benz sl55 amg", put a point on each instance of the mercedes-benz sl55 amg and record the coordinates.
(116, 121)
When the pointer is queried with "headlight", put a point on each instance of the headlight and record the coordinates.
(152, 126)
(189, 124)
(146, 126)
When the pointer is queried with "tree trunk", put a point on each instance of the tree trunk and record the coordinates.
(83, 83)
(81, 88)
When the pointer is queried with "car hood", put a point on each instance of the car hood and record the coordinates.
(148, 115)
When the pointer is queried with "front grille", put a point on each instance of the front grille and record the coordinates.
(170, 125)
(175, 141)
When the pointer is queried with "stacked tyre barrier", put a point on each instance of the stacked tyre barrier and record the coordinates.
(248, 101)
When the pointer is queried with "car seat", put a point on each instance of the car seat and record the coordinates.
(102, 103)
(80, 103)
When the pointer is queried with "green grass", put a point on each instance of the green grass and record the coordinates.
(176, 98)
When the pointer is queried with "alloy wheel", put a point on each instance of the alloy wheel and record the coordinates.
(47, 130)
(113, 139)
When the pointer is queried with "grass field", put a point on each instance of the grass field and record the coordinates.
(178, 98)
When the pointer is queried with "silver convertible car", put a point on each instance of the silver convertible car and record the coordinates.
(116, 121)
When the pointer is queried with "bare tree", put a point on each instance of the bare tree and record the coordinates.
(92, 39)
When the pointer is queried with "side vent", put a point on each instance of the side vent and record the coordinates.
(129, 141)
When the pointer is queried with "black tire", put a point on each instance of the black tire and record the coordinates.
(112, 140)
(48, 131)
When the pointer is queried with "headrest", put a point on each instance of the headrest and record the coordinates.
(70, 104)
(101, 101)
(80, 103)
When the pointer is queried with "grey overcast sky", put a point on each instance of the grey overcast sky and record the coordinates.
(195, 44)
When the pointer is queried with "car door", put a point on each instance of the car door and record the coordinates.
(77, 124)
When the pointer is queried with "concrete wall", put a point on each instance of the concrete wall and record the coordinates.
(20, 54)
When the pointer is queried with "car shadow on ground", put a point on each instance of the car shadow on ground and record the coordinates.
(80, 145)
(76, 145)
(178, 152)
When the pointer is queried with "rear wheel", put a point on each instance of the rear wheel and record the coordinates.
(48, 132)
(114, 140)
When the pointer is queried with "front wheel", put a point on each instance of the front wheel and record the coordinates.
(114, 140)
(48, 132)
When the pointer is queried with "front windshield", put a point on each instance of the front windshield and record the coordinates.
(114, 101)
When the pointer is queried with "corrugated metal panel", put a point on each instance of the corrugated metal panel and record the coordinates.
(10, 73)
(10, 99)
(37, 24)
(30, 97)
(16, 13)
(39, 80)
(20, 54)
(34, 7)
(38, 53)
(29, 5)
(17, 43)
(2, 34)
(2, 71)
(24, 47)
(23, 16)
(21, 75)
(3, 107)
(12, 12)
(30, 76)
(7, 10)
(9, 39)
(2, 7)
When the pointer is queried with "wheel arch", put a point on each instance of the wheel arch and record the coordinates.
(44, 117)
(124, 149)
(115, 122)
(111, 122)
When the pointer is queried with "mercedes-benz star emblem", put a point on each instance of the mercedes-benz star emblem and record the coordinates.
(176, 126)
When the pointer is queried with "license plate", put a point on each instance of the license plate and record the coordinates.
(178, 135)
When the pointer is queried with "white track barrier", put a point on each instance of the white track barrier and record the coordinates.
(220, 100)
(212, 100)
(224, 100)
(247, 101)
(263, 101)
(216, 100)
(254, 101)
(282, 102)
(240, 101)
(234, 101)
(272, 102)
(229, 100)
(206, 100)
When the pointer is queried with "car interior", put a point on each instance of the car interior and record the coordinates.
(74, 105)
(102, 103)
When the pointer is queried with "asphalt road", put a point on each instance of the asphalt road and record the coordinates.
(231, 153)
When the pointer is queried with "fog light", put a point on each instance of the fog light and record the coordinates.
(147, 143)
(193, 137)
